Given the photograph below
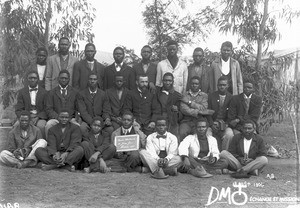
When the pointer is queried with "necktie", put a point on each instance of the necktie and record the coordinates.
(118, 67)
(91, 66)
(125, 131)
(93, 95)
(64, 92)
(247, 102)
(33, 89)
(161, 136)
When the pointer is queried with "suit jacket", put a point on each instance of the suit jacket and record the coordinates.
(16, 140)
(257, 147)
(206, 84)
(56, 102)
(116, 105)
(90, 108)
(100, 144)
(213, 104)
(142, 136)
(81, 74)
(151, 72)
(143, 107)
(24, 102)
(71, 138)
(109, 76)
(53, 69)
(237, 109)
(236, 75)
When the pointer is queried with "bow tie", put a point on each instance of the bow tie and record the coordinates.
(33, 89)
(161, 136)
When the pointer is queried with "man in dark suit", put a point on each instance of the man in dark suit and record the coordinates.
(169, 103)
(97, 148)
(93, 102)
(244, 106)
(62, 96)
(142, 103)
(83, 68)
(146, 67)
(63, 148)
(219, 102)
(32, 98)
(247, 152)
(119, 66)
(116, 97)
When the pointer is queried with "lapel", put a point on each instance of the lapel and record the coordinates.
(226, 98)
(88, 95)
(242, 100)
(57, 92)
(252, 145)
(63, 135)
(124, 95)
(57, 60)
(38, 96)
(27, 96)
(242, 145)
(70, 60)
(114, 94)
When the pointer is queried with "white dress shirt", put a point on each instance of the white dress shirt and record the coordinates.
(247, 144)
(41, 71)
(225, 67)
(33, 95)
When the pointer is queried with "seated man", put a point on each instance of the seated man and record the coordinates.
(247, 152)
(219, 102)
(161, 150)
(130, 160)
(32, 98)
(97, 148)
(116, 97)
(63, 149)
(201, 149)
(24, 139)
(93, 102)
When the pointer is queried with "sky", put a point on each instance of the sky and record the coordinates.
(119, 22)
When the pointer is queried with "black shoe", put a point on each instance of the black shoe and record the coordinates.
(240, 174)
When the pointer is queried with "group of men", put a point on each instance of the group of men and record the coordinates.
(183, 116)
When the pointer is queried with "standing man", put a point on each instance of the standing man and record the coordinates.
(63, 149)
(89, 65)
(227, 66)
(200, 69)
(174, 65)
(63, 60)
(247, 152)
(219, 102)
(146, 67)
(92, 102)
(23, 140)
(116, 98)
(119, 66)
(32, 98)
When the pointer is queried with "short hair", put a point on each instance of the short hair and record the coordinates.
(98, 118)
(64, 38)
(227, 44)
(119, 48)
(141, 75)
(25, 113)
(64, 71)
(128, 113)
(42, 49)
(223, 78)
(33, 72)
(196, 77)
(168, 74)
(249, 121)
(147, 46)
(90, 44)
(161, 118)
(64, 110)
(198, 49)
(248, 80)
(202, 119)
(172, 42)
(93, 73)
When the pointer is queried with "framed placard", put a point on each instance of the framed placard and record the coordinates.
(127, 143)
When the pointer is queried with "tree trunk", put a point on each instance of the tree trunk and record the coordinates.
(48, 18)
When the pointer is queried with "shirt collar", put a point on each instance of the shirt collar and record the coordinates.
(90, 62)
(128, 130)
(37, 87)
(249, 97)
(92, 91)
(121, 64)
(194, 94)
(61, 88)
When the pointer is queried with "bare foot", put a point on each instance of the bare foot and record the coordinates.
(103, 167)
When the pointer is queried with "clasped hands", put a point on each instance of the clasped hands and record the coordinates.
(244, 161)
(162, 162)
(59, 158)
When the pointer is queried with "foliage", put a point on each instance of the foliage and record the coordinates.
(163, 22)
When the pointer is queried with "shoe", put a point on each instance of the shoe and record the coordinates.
(240, 174)
(145, 170)
(218, 172)
(118, 169)
(225, 171)
(159, 174)
(199, 172)
(48, 167)
(171, 171)
(254, 173)
(70, 168)
(23, 164)
(87, 170)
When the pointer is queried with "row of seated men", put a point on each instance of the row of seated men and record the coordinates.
(159, 152)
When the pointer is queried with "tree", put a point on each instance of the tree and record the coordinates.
(164, 21)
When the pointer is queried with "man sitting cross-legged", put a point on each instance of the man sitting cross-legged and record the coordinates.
(97, 147)
(247, 152)
(63, 149)
(24, 139)
(130, 160)
(161, 150)
(200, 150)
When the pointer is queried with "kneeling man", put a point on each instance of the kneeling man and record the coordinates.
(63, 149)
(161, 150)
(200, 150)
(246, 153)
(24, 139)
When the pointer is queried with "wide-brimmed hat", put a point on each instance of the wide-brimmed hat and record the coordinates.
(159, 174)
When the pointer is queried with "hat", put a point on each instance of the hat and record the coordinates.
(159, 174)
(272, 152)
(200, 172)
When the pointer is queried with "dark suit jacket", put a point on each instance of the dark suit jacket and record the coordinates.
(206, 84)
(56, 102)
(143, 108)
(151, 72)
(71, 138)
(116, 105)
(81, 73)
(24, 102)
(90, 108)
(257, 147)
(237, 109)
(109, 76)
(174, 98)
(213, 104)
(101, 144)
